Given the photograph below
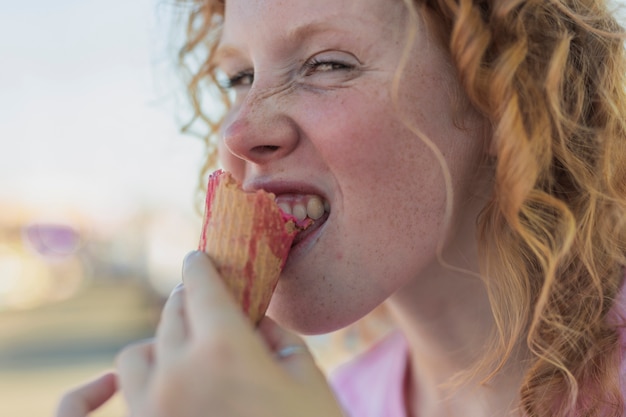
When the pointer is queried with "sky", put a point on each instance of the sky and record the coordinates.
(90, 110)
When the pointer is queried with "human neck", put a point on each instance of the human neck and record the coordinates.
(446, 318)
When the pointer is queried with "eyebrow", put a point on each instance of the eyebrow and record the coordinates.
(224, 51)
(298, 32)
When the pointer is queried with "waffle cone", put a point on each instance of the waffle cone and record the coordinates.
(248, 238)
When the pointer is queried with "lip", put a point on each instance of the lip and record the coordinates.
(307, 239)
(279, 187)
(307, 233)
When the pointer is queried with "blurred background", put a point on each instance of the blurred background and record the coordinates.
(97, 189)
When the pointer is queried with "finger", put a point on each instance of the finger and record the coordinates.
(134, 366)
(210, 308)
(88, 397)
(171, 332)
(288, 349)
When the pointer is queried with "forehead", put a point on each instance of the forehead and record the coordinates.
(245, 18)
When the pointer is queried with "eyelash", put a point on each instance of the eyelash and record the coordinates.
(246, 77)
(315, 64)
(242, 78)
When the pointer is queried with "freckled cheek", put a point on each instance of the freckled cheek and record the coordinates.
(355, 136)
(377, 163)
(381, 166)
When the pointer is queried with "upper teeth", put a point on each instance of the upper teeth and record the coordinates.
(301, 207)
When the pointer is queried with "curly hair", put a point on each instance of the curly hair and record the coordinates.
(549, 77)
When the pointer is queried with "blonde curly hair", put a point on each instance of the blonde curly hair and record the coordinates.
(549, 77)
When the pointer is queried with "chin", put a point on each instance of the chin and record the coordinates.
(310, 316)
(302, 318)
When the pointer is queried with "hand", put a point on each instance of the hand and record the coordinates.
(86, 398)
(207, 359)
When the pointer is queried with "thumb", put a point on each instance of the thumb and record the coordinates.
(289, 350)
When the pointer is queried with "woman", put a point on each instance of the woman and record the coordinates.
(472, 159)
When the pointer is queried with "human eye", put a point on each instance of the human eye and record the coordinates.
(241, 79)
(319, 65)
(323, 64)
(330, 69)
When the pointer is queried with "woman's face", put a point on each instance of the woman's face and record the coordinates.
(314, 121)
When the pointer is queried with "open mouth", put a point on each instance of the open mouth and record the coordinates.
(312, 228)
(310, 212)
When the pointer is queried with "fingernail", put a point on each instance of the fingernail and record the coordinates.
(190, 255)
(180, 286)
(186, 261)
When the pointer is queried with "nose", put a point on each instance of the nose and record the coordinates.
(260, 130)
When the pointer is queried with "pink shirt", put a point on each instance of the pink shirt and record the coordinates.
(372, 384)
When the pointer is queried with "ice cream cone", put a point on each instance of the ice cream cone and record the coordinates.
(248, 237)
